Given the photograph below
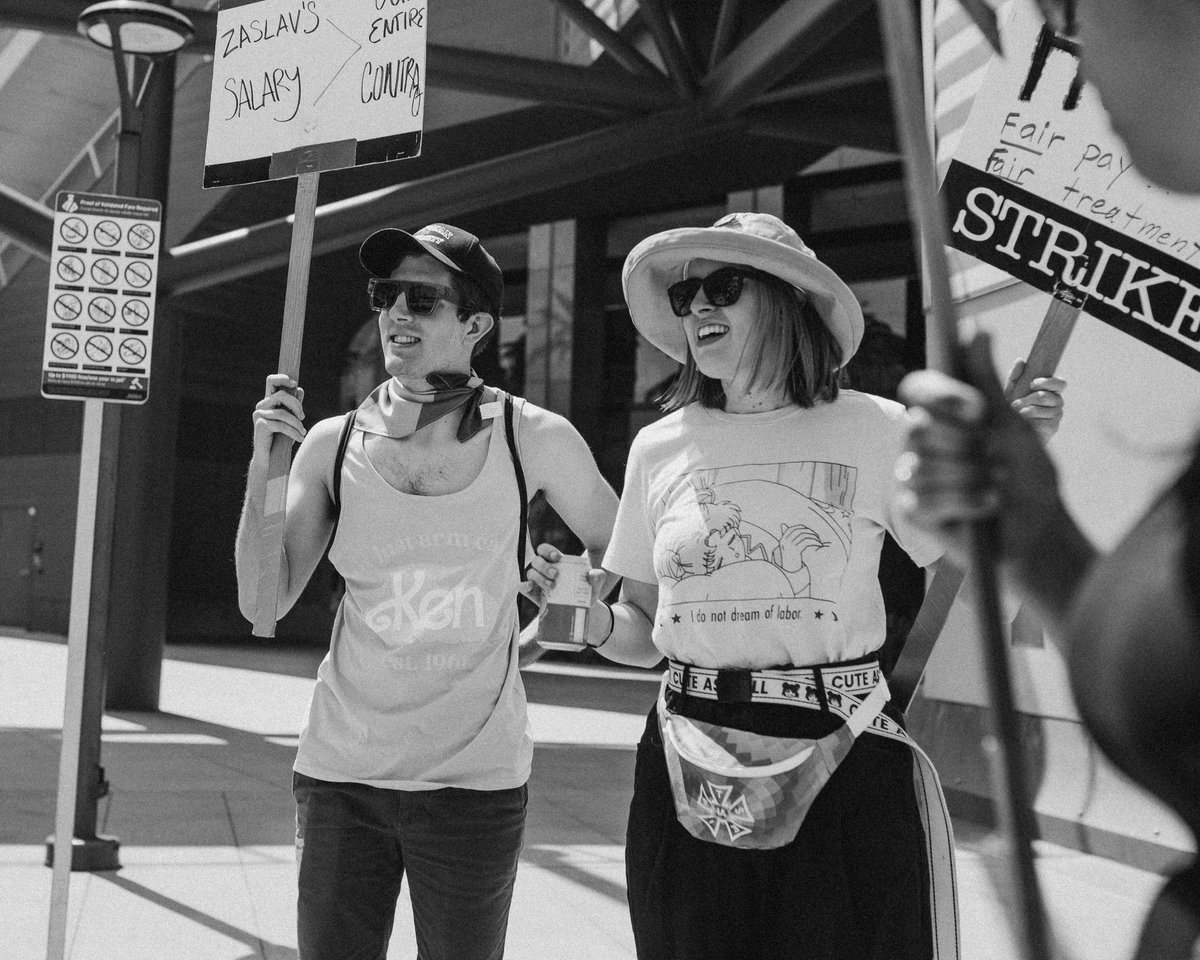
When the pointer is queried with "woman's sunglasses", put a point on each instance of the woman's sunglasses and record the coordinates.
(422, 298)
(722, 288)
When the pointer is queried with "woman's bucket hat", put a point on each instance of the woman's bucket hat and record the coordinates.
(756, 240)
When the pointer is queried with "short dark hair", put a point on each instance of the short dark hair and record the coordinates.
(789, 335)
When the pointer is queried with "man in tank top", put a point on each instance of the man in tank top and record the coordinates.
(416, 753)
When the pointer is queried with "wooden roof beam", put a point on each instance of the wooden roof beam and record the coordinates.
(447, 195)
(783, 41)
(26, 222)
(679, 64)
(479, 71)
(851, 76)
(814, 122)
(617, 47)
(723, 34)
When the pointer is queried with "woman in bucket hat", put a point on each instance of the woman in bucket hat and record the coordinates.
(779, 808)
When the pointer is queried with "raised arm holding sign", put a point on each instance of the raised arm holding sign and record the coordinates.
(1129, 621)
(299, 88)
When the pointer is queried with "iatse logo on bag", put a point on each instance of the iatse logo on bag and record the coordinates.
(717, 808)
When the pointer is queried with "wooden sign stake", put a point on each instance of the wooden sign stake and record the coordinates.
(269, 552)
(1008, 777)
(1047, 350)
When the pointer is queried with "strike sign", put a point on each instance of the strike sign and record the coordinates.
(1043, 189)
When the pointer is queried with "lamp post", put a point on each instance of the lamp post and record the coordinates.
(146, 32)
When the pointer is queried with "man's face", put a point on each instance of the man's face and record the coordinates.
(415, 346)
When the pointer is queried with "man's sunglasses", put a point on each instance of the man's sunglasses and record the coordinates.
(422, 298)
(722, 288)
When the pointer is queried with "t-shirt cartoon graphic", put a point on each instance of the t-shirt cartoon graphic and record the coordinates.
(771, 530)
(764, 527)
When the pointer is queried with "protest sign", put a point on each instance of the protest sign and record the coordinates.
(302, 86)
(1043, 188)
(311, 85)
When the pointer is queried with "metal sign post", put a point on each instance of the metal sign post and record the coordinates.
(68, 763)
(99, 334)
(99, 317)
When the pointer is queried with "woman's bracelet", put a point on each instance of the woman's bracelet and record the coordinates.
(612, 622)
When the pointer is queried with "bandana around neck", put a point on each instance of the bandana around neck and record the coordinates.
(392, 410)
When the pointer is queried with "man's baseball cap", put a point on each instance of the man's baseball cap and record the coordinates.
(460, 251)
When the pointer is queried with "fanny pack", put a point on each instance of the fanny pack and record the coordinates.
(748, 790)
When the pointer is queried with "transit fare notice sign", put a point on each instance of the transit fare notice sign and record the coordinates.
(312, 85)
(1043, 189)
(100, 308)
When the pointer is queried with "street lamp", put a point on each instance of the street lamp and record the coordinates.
(136, 26)
(143, 29)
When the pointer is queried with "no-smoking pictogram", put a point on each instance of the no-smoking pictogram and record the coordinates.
(73, 230)
(138, 274)
(101, 310)
(132, 351)
(64, 346)
(105, 272)
(70, 268)
(107, 234)
(98, 348)
(99, 339)
(141, 236)
(67, 307)
(135, 313)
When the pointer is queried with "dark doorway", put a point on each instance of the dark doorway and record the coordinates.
(18, 564)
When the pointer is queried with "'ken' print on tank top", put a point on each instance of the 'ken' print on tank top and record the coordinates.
(432, 605)
(756, 543)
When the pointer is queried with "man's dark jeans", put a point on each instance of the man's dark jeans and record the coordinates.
(355, 843)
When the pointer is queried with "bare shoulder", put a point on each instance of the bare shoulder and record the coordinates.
(324, 433)
(559, 462)
(313, 459)
(542, 426)
(558, 459)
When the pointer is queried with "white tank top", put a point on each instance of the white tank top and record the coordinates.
(420, 688)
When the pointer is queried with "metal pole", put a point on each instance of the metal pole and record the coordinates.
(68, 761)
(90, 851)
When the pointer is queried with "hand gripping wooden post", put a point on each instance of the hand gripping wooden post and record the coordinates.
(269, 549)
(902, 52)
(1047, 350)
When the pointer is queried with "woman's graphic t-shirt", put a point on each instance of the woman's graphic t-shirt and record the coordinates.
(763, 531)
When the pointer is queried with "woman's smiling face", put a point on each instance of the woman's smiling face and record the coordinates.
(718, 336)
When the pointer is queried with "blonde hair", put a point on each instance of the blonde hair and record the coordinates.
(790, 345)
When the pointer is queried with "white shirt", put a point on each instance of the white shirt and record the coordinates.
(763, 531)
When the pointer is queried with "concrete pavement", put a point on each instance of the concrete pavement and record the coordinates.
(201, 804)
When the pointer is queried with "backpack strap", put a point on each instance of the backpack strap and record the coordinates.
(343, 440)
(510, 436)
